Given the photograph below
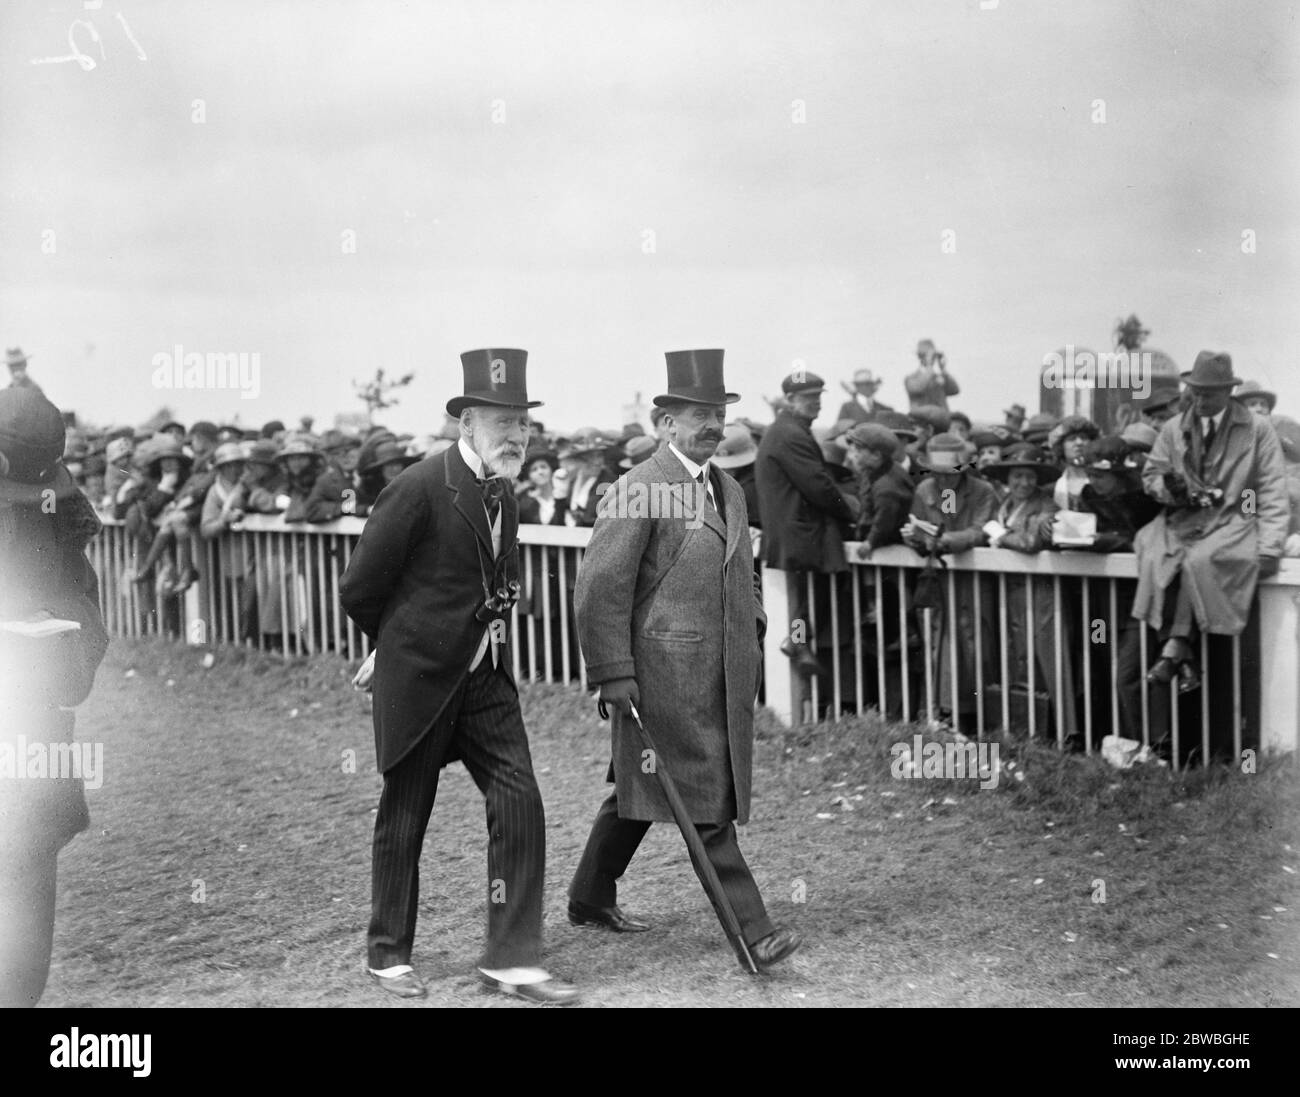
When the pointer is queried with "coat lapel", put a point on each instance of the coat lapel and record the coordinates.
(467, 499)
(733, 499)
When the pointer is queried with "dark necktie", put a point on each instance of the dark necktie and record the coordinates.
(1205, 445)
(494, 490)
(703, 482)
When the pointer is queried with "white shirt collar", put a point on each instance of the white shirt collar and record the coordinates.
(691, 466)
(472, 459)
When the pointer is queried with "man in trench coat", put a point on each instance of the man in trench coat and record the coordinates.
(669, 620)
(1219, 471)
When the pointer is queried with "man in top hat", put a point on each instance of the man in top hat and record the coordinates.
(930, 383)
(1218, 470)
(862, 406)
(802, 506)
(432, 582)
(669, 619)
(19, 378)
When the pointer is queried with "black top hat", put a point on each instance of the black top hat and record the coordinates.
(495, 378)
(695, 377)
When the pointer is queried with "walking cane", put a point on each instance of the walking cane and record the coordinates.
(695, 846)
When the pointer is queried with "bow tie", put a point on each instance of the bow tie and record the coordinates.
(494, 489)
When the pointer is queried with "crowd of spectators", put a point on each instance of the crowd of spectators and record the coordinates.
(927, 477)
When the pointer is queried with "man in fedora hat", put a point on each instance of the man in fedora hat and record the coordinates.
(862, 406)
(802, 508)
(432, 582)
(19, 378)
(669, 617)
(1218, 470)
(50, 648)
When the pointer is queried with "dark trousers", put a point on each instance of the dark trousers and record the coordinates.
(488, 734)
(613, 841)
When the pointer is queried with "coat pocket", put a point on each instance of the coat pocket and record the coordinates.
(673, 636)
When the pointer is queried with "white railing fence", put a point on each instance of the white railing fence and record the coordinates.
(274, 586)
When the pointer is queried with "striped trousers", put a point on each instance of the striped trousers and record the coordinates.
(488, 735)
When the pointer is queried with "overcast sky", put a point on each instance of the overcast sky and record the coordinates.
(502, 167)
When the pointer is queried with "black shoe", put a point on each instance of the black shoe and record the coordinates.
(775, 947)
(584, 914)
(406, 985)
(1162, 671)
(549, 992)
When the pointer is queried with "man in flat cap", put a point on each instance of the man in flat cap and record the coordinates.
(670, 620)
(432, 582)
(802, 506)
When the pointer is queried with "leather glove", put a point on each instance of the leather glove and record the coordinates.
(1267, 566)
(621, 693)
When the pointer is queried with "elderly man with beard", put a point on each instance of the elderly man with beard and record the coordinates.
(669, 618)
(433, 581)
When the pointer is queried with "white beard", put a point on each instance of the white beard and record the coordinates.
(496, 463)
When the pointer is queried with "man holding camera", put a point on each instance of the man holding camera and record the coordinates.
(930, 384)
(1219, 472)
(432, 582)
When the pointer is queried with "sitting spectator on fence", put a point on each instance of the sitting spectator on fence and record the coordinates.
(1218, 471)
(1069, 438)
(315, 490)
(950, 509)
(386, 462)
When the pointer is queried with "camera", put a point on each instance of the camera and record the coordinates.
(498, 603)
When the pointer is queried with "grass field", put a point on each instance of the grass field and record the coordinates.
(231, 785)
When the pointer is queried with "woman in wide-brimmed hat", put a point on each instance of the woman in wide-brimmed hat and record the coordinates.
(146, 503)
(52, 641)
(386, 462)
(315, 487)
